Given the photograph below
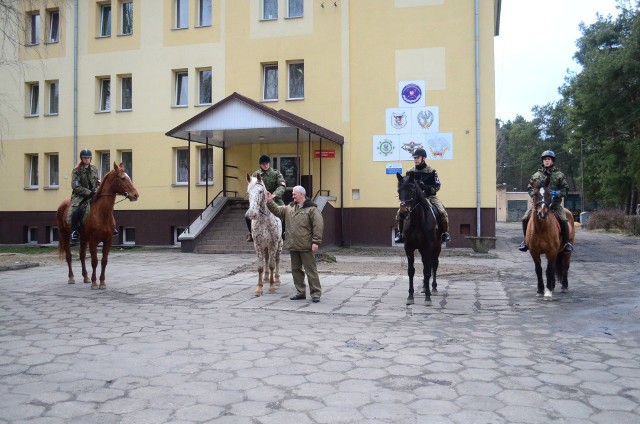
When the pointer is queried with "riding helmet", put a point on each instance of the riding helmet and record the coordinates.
(85, 153)
(264, 159)
(420, 152)
(548, 154)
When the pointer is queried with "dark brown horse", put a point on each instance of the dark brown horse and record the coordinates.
(544, 237)
(420, 231)
(99, 225)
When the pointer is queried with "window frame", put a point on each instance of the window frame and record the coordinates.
(181, 18)
(34, 99)
(104, 22)
(123, 88)
(53, 88)
(209, 165)
(126, 235)
(104, 105)
(127, 163)
(124, 14)
(54, 26)
(201, 72)
(34, 28)
(205, 18)
(289, 74)
(33, 180)
(289, 3)
(180, 77)
(263, 15)
(105, 163)
(53, 175)
(181, 180)
(265, 69)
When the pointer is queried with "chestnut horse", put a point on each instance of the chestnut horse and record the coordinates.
(544, 237)
(99, 225)
(266, 230)
(420, 231)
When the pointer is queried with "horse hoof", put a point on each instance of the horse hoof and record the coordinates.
(272, 290)
(409, 301)
(422, 290)
(71, 281)
(427, 302)
(548, 294)
(539, 294)
(94, 287)
(564, 290)
(102, 287)
(434, 292)
(86, 281)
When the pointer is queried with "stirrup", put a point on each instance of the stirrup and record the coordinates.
(523, 247)
(398, 238)
(249, 237)
(568, 247)
(75, 236)
(445, 237)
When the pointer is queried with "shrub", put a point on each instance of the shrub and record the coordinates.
(606, 219)
(632, 225)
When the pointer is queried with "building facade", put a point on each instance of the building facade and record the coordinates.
(387, 75)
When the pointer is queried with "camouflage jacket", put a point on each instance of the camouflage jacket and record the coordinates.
(558, 182)
(428, 179)
(274, 182)
(84, 182)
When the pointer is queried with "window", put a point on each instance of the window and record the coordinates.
(105, 20)
(296, 80)
(204, 86)
(182, 87)
(53, 235)
(288, 167)
(32, 177)
(295, 9)
(53, 97)
(54, 26)
(34, 28)
(206, 165)
(182, 166)
(34, 99)
(105, 95)
(32, 235)
(105, 163)
(126, 93)
(204, 8)
(269, 9)
(126, 157)
(54, 173)
(177, 231)
(182, 13)
(129, 235)
(270, 82)
(126, 8)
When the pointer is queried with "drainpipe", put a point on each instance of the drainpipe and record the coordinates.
(75, 82)
(478, 209)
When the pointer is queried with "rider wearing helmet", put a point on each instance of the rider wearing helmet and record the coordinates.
(429, 181)
(84, 183)
(274, 183)
(559, 189)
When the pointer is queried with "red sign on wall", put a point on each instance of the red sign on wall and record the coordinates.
(324, 154)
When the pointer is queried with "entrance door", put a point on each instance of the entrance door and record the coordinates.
(289, 168)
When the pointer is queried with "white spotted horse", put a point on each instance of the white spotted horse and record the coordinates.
(266, 230)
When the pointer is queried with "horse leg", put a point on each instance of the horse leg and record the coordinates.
(106, 247)
(411, 272)
(562, 270)
(277, 272)
(434, 271)
(93, 250)
(271, 265)
(261, 259)
(67, 257)
(426, 275)
(551, 277)
(83, 256)
(538, 266)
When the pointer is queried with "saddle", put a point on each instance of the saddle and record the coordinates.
(80, 214)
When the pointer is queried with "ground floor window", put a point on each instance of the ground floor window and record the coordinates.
(129, 235)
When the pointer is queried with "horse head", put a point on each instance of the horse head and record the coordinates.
(409, 192)
(118, 182)
(541, 197)
(257, 197)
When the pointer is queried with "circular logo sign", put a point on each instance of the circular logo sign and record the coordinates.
(411, 93)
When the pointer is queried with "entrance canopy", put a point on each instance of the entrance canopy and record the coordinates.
(240, 120)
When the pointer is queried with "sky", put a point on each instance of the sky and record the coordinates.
(535, 49)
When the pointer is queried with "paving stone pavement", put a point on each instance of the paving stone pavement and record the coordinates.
(180, 338)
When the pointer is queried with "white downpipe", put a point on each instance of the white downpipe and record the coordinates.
(478, 208)
(75, 82)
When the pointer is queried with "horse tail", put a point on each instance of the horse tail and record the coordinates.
(63, 232)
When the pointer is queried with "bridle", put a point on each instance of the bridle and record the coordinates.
(547, 206)
(262, 205)
(125, 194)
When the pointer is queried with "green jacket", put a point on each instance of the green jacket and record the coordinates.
(558, 182)
(84, 183)
(274, 182)
(303, 224)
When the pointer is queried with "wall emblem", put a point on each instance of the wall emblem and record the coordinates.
(425, 119)
(411, 93)
(385, 147)
(398, 120)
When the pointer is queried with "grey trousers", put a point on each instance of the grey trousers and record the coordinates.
(301, 263)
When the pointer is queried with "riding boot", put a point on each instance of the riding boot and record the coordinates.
(568, 248)
(249, 236)
(523, 246)
(444, 225)
(399, 238)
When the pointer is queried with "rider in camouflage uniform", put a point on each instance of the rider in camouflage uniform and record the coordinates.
(559, 189)
(274, 183)
(84, 183)
(429, 181)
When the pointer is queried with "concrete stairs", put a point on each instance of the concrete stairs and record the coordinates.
(227, 233)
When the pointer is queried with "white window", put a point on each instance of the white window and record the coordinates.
(105, 95)
(32, 176)
(182, 166)
(269, 9)
(126, 93)
(105, 163)
(204, 13)
(295, 8)
(270, 82)
(182, 13)
(206, 165)
(296, 80)
(126, 157)
(34, 28)
(105, 20)
(54, 26)
(204, 87)
(182, 88)
(34, 99)
(126, 25)
(129, 235)
(54, 173)
(53, 97)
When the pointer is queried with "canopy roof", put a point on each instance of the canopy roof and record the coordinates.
(237, 119)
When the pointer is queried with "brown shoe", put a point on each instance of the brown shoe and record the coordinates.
(298, 297)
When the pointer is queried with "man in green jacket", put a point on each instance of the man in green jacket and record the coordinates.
(304, 226)
(274, 183)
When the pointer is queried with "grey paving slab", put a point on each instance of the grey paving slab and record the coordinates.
(181, 338)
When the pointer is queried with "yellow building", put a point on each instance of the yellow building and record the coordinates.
(362, 82)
